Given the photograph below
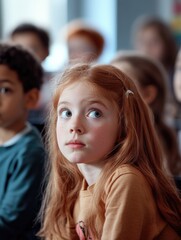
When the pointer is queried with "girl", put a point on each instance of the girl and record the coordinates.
(150, 78)
(105, 174)
(177, 90)
(153, 36)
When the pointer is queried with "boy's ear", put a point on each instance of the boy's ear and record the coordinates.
(149, 93)
(32, 98)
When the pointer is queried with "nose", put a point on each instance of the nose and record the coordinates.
(77, 130)
(76, 126)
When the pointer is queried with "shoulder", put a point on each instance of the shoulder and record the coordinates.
(31, 141)
(29, 149)
(127, 178)
(32, 136)
(126, 171)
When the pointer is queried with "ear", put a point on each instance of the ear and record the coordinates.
(44, 55)
(31, 98)
(149, 93)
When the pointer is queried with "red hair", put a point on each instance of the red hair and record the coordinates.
(137, 145)
(78, 28)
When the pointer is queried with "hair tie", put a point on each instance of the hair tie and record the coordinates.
(128, 92)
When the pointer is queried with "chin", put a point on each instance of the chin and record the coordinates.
(75, 160)
(76, 157)
(79, 161)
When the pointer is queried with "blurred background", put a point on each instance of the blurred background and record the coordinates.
(113, 18)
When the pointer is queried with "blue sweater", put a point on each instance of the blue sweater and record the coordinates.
(21, 172)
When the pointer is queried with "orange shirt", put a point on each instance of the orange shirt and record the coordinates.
(130, 209)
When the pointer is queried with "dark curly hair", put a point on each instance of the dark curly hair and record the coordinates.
(21, 61)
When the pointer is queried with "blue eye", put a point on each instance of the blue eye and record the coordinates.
(95, 114)
(65, 113)
(4, 90)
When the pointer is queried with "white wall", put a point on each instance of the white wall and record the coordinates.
(17, 11)
(101, 13)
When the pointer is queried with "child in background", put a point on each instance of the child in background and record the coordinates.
(177, 90)
(154, 37)
(177, 77)
(21, 149)
(106, 178)
(85, 43)
(37, 40)
(150, 78)
(34, 38)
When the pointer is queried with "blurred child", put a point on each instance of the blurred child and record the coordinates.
(154, 37)
(21, 149)
(37, 40)
(150, 78)
(177, 90)
(34, 38)
(106, 178)
(177, 77)
(85, 43)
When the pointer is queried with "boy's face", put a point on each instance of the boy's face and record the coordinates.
(13, 101)
(30, 41)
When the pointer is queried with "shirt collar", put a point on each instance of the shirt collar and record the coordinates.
(16, 138)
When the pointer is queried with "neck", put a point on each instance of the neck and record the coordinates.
(90, 172)
(7, 134)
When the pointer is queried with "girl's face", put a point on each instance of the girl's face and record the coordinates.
(177, 78)
(87, 124)
(149, 42)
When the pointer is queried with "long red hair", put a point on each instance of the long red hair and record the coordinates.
(149, 72)
(137, 145)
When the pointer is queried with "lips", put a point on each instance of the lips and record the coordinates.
(75, 144)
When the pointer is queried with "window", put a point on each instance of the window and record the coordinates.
(49, 14)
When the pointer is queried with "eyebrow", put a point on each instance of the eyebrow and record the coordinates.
(89, 102)
(6, 81)
(97, 102)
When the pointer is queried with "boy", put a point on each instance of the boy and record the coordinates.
(21, 149)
